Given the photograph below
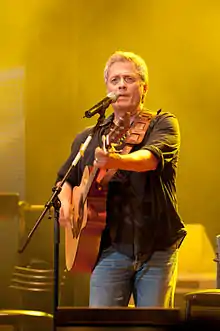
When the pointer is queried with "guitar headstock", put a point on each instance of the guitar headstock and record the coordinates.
(118, 132)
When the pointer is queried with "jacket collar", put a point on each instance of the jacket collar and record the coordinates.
(108, 120)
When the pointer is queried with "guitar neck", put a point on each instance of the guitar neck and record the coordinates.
(114, 136)
(92, 176)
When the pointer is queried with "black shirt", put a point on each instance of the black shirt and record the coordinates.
(141, 207)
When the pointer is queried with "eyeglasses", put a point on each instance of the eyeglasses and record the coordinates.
(129, 79)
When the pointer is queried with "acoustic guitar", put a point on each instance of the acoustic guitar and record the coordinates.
(88, 219)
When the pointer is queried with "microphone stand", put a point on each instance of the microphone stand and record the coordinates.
(55, 202)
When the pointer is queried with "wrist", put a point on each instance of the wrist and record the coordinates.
(116, 160)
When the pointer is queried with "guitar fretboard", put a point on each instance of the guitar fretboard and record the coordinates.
(89, 183)
(116, 136)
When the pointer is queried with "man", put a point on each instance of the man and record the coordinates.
(139, 247)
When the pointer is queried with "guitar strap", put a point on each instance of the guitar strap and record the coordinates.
(135, 136)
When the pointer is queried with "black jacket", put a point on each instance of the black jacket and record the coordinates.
(141, 207)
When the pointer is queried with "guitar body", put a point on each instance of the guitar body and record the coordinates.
(83, 233)
(88, 220)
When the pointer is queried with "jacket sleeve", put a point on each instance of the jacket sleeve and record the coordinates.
(164, 138)
(74, 177)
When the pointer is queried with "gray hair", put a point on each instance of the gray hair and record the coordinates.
(121, 56)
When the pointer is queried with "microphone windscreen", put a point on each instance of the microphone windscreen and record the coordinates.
(113, 96)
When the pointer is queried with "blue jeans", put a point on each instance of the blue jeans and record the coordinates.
(114, 279)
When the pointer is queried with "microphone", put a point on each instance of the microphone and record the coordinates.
(102, 105)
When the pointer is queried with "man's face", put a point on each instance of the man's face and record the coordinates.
(124, 79)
